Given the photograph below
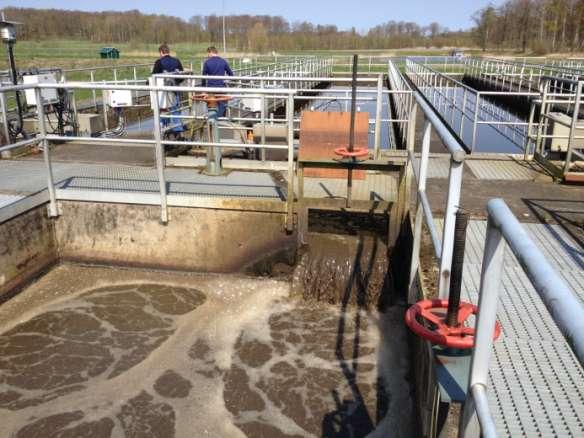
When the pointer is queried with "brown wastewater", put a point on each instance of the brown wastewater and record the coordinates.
(93, 351)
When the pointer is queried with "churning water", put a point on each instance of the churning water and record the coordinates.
(100, 352)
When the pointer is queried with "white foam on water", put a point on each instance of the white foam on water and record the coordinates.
(201, 347)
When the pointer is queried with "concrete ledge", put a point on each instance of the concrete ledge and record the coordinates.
(173, 200)
(228, 163)
(195, 239)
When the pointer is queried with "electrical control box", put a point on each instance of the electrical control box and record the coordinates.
(49, 95)
(166, 99)
(119, 98)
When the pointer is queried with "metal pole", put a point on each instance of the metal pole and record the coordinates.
(527, 153)
(475, 120)
(224, 40)
(491, 273)
(452, 202)
(263, 121)
(424, 158)
(463, 110)
(53, 211)
(457, 266)
(378, 111)
(290, 196)
(159, 150)
(352, 126)
(4, 117)
(575, 115)
(92, 77)
(104, 109)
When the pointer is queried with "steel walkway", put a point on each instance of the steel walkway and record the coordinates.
(536, 383)
(25, 181)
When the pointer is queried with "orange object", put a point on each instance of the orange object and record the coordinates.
(323, 132)
(355, 153)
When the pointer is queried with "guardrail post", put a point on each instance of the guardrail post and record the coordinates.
(491, 273)
(462, 115)
(53, 211)
(93, 93)
(452, 203)
(263, 121)
(575, 115)
(475, 122)
(378, 110)
(290, 194)
(159, 152)
(4, 117)
(422, 172)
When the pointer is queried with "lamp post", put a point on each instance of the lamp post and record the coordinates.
(8, 36)
(224, 42)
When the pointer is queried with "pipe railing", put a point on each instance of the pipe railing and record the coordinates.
(158, 142)
(443, 247)
(567, 311)
(458, 103)
(554, 104)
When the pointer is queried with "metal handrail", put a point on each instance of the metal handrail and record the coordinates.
(158, 142)
(476, 110)
(443, 247)
(503, 229)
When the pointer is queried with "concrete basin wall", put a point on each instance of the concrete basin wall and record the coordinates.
(27, 247)
(195, 239)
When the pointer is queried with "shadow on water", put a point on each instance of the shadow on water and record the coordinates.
(351, 418)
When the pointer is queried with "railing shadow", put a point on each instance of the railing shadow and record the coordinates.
(352, 418)
(565, 219)
(137, 186)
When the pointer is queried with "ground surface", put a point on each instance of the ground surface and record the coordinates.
(101, 352)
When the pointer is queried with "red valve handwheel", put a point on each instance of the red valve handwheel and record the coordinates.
(357, 152)
(210, 97)
(433, 312)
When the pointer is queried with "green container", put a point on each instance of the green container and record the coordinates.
(109, 53)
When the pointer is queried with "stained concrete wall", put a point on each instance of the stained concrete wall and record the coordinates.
(194, 239)
(27, 247)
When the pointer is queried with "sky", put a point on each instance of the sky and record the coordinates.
(362, 14)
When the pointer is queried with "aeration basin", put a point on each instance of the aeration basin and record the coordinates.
(141, 345)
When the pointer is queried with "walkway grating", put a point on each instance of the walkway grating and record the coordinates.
(536, 383)
(375, 187)
(503, 169)
(25, 177)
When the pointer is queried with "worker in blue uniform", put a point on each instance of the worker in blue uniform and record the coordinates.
(170, 64)
(166, 63)
(216, 66)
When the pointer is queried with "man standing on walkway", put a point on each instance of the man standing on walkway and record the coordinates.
(169, 101)
(166, 63)
(216, 66)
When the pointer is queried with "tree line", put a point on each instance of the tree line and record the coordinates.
(540, 26)
(243, 32)
(537, 25)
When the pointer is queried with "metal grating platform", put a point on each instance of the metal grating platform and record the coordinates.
(25, 177)
(537, 385)
(6, 200)
(375, 187)
(502, 169)
(438, 167)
